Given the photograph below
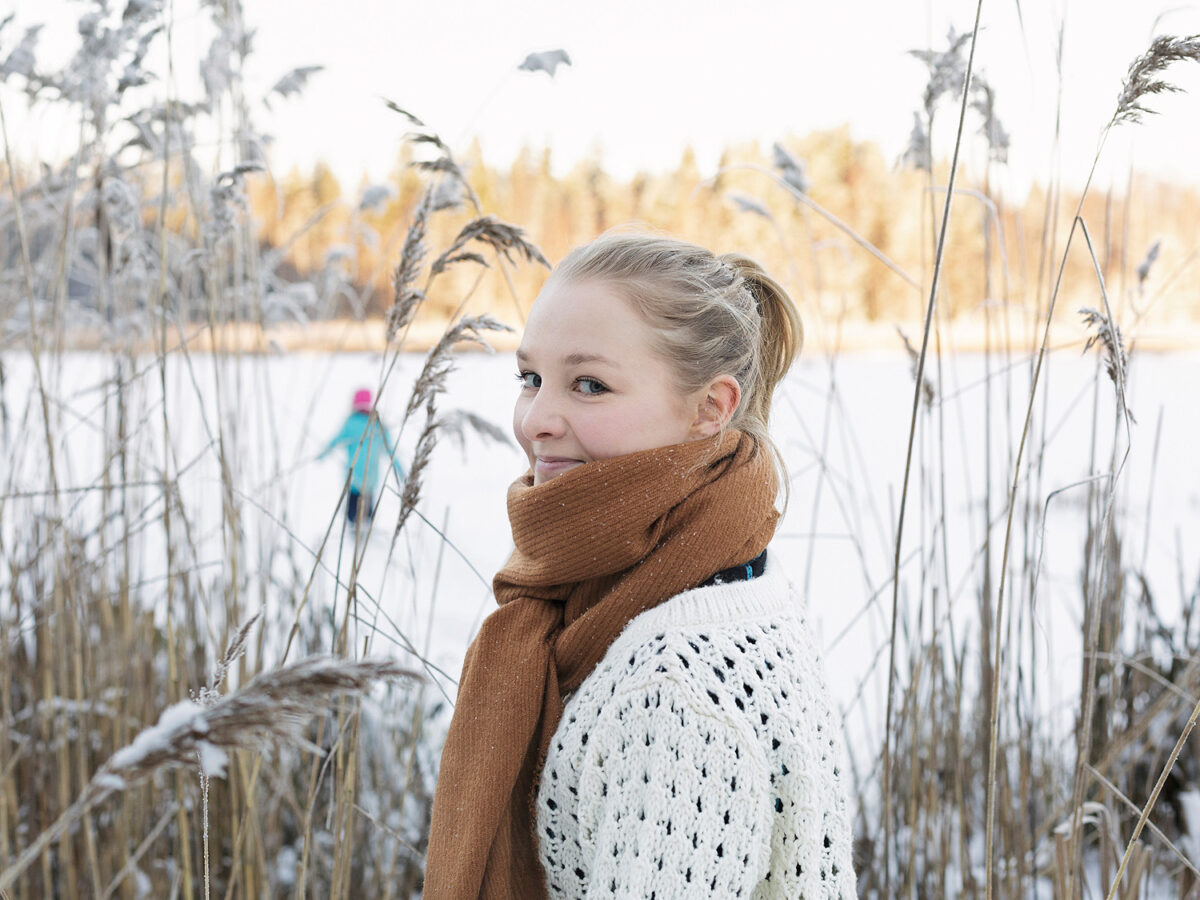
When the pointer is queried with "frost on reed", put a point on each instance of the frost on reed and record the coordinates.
(947, 72)
(947, 68)
(507, 241)
(988, 790)
(151, 231)
(137, 243)
(509, 245)
(274, 706)
(209, 694)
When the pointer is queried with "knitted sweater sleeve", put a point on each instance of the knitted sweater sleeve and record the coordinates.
(675, 798)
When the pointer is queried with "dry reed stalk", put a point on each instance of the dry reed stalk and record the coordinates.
(922, 801)
(274, 706)
(1092, 615)
(804, 199)
(1154, 829)
(67, 621)
(507, 242)
(1139, 83)
(937, 268)
(1144, 816)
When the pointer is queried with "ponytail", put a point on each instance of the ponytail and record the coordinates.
(781, 336)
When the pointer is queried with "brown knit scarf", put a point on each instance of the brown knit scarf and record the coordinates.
(595, 547)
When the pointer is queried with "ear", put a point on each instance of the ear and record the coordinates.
(717, 404)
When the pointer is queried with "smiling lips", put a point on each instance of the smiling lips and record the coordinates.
(549, 466)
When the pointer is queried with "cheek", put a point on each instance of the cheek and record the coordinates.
(666, 420)
(519, 409)
(600, 434)
(628, 429)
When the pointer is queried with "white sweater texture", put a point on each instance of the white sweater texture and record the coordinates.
(701, 758)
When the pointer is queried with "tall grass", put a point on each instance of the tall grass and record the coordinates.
(974, 792)
(1019, 782)
(177, 589)
(264, 775)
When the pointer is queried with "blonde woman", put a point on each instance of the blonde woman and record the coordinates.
(644, 714)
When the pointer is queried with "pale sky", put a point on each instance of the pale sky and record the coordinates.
(651, 76)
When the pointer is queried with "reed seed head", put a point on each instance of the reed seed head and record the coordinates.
(947, 69)
(749, 205)
(407, 297)
(507, 240)
(928, 392)
(791, 168)
(1108, 335)
(1143, 269)
(1142, 80)
(274, 706)
(440, 362)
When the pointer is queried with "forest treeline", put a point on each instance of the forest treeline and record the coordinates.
(847, 230)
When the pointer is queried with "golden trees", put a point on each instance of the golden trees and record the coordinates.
(739, 206)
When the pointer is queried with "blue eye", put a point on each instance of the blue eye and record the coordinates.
(590, 386)
(529, 379)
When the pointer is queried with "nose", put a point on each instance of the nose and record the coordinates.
(541, 418)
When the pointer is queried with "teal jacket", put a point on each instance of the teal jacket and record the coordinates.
(368, 450)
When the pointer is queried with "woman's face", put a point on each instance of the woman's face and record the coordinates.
(592, 385)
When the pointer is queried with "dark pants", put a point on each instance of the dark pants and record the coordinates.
(354, 501)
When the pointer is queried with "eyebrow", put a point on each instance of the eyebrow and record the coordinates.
(575, 359)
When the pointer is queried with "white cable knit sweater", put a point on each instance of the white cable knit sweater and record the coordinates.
(701, 759)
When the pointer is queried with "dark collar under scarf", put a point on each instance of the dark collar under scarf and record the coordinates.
(744, 572)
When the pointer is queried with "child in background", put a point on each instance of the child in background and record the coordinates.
(368, 450)
(645, 714)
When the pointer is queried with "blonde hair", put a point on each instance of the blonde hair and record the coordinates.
(712, 316)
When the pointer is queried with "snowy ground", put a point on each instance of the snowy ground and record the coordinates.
(846, 459)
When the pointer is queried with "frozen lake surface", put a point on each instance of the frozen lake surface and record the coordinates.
(843, 428)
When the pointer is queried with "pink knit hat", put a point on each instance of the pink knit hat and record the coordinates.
(362, 400)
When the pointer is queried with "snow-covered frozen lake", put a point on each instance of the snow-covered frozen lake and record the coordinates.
(845, 450)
